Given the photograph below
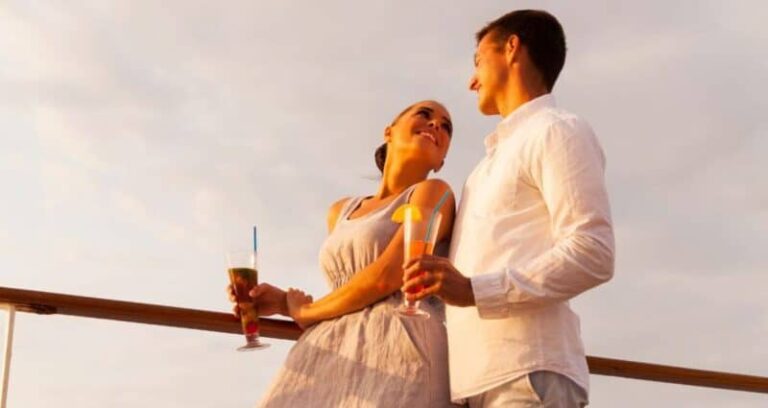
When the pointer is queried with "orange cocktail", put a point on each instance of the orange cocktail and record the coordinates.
(419, 235)
(416, 249)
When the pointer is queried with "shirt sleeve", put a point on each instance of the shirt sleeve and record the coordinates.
(567, 166)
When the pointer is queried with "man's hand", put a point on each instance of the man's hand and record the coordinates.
(438, 277)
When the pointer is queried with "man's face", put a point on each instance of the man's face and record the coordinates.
(490, 77)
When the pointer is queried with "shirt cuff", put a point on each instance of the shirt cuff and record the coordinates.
(490, 295)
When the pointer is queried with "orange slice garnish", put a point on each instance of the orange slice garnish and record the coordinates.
(399, 214)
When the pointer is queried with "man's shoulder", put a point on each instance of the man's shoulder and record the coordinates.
(555, 115)
(557, 122)
(553, 126)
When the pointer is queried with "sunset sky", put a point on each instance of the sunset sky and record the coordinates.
(142, 139)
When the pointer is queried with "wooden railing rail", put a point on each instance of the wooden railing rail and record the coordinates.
(55, 303)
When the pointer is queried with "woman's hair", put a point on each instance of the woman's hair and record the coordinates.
(381, 157)
(381, 152)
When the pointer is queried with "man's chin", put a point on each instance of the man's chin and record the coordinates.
(488, 108)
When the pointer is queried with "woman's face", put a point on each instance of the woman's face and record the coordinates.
(422, 134)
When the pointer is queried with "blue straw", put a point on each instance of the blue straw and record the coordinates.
(434, 213)
(255, 240)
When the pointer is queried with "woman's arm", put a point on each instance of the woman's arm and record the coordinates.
(270, 299)
(385, 275)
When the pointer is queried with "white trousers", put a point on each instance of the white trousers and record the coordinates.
(540, 389)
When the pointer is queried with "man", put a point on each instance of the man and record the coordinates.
(533, 230)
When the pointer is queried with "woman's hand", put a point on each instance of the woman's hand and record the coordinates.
(297, 302)
(268, 300)
(233, 299)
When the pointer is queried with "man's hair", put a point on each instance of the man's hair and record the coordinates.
(541, 34)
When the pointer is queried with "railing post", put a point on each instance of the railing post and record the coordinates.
(6, 373)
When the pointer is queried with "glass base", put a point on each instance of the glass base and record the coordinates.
(254, 344)
(412, 311)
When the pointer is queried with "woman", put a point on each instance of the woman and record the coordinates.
(356, 350)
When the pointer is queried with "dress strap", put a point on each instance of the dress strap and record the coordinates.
(346, 209)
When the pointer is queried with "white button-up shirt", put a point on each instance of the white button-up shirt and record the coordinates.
(532, 231)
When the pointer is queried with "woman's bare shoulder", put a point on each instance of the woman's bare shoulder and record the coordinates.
(334, 211)
(431, 190)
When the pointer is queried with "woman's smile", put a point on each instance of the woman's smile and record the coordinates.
(429, 135)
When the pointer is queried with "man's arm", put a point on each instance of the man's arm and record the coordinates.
(568, 169)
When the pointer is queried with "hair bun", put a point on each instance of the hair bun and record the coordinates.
(381, 157)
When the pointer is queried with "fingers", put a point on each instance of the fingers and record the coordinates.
(236, 311)
(298, 296)
(427, 284)
(427, 292)
(422, 278)
(258, 290)
(414, 261)
(296, 291)
(231, 293)
(425, 263)
(413, 270)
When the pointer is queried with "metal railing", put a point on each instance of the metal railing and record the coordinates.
(47, 303)
(6, 373)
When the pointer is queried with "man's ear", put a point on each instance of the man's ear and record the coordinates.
(512, 48)
(387, 134)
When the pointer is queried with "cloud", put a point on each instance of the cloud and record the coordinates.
(143, 140)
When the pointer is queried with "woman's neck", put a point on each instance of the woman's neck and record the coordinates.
(396, 178)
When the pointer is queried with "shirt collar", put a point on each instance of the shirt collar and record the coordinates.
(519, 115)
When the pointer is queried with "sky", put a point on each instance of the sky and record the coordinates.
(142, 140)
